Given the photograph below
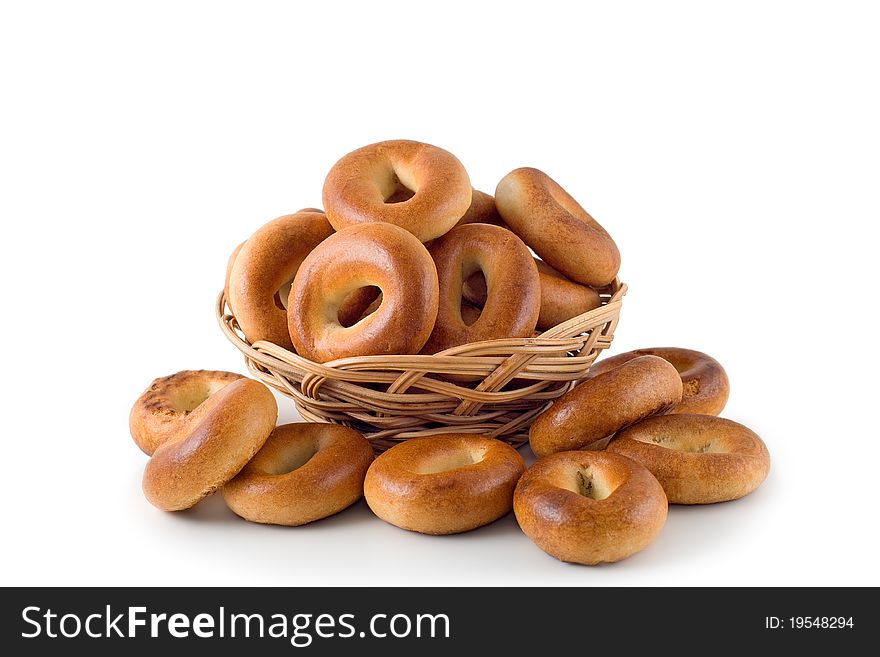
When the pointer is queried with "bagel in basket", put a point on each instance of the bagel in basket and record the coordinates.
(416, 186)
(513, 298)
(550, 221)
(482, 210)
(264, 265)
(561, 299)
(231, 261)
(373, 254)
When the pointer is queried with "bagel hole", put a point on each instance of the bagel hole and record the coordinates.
(282, 294)
(589, 484)
(399, 193)
(188, 399)
(292, 458)
(359, 304)
(473, 291)
(449, 462)
(470, 313)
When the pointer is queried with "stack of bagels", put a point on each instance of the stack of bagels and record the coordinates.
(407, 258)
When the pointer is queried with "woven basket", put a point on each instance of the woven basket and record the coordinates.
(393, 398)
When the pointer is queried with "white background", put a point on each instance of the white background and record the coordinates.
(733, 153)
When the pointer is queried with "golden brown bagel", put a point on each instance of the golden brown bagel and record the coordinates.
(305, 472)
(599, 407)
(514, 292)
(561, 299)
(211, 445)
(589, 507)
(266, 263)
(481, 211)
(698, 459)
(443, 484)
(416, 186)
(159, 411)
(550, 221)
(377, 254)
(234, 255)
(705, 384)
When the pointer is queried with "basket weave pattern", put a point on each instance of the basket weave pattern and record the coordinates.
(495, 387)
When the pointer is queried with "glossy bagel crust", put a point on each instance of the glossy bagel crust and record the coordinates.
(602, 406)
(443, 484)
(705, 384)
(363, 185)
(550, 221)
(306, 471)
(267, 261)
(561, 299)
(589, 507)
(231, 261)
(159, 411)
(514, 291)
(211, 445)
(377, 254)
(698, 459)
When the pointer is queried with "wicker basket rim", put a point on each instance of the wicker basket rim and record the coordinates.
(400, 396)
(549, 341)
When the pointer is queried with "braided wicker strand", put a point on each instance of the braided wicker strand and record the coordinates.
(394, 398)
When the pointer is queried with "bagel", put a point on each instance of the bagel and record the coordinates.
(550, 221)
(159, 412)
(416, 186)
(304, 472)
(234, 255)
(589, 507)
(211, 445)
(603, 405)
(514, 291)
(481, 211)
(266, 263)
(376, 254)
(443, 484)
(698, 459)
(704, 381)
(561, 299)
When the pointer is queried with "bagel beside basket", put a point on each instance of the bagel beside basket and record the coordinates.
(495, 387)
